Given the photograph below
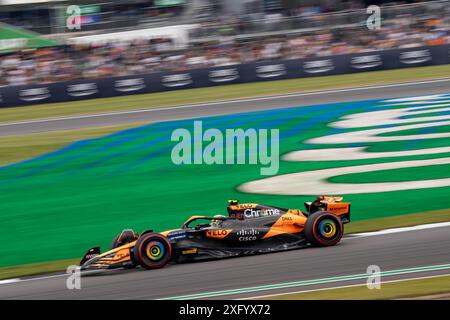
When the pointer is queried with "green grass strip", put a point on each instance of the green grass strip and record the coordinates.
(36, 268)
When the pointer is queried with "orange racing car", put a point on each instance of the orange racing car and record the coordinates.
(248, 229)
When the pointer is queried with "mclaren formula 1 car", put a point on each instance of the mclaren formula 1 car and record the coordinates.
(248, 229)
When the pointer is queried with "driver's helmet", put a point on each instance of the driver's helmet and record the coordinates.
(320, 198)
(215, 223)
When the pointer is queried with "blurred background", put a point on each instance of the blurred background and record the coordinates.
(88, 152)
(118, 38)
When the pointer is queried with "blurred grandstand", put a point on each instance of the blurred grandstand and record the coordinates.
(120, 38)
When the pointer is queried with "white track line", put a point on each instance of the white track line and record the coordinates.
(402, 84)
(349, 237)
(339, 287)
(399, 230)
(9, 281)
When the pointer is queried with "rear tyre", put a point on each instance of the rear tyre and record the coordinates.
(152, 251)
(324, 229)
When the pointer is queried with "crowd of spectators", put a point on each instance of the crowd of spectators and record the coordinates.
(146, 56)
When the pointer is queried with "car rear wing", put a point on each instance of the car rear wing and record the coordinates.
(341, 209)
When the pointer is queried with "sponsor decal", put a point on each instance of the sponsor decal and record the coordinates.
(414, 57)
(318, 66)
(34, 94)
(245, 206)
(366, 62)
(345, 220)
(128, 85)
(189, 251)
(91, 255)
(247, 234)
(177, 80)
(178, 235)
(217, 234)
(251, 213)
(223, 75)
(337, 208)
(270, 71)
(82, 89)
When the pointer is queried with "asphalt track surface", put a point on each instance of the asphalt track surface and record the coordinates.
(353, 255)
(228, 107)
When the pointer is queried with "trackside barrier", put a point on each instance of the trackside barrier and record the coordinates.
(243, 73)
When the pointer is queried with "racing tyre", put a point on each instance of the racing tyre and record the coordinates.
(152, 251)
(324, 229)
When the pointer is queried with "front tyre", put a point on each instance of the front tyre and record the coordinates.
(152, 251)
(324, 229)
